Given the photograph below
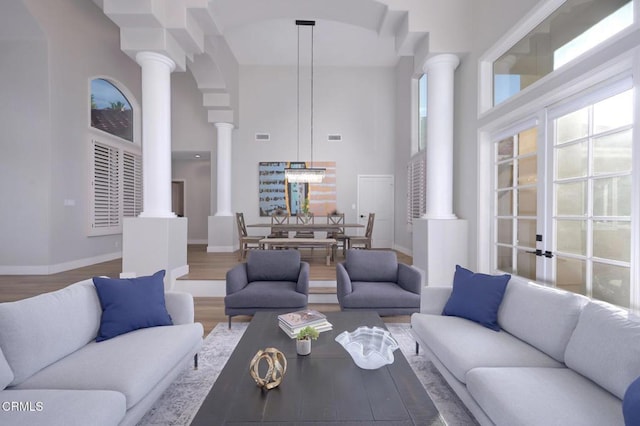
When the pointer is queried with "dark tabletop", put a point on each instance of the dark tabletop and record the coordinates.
(325, 387)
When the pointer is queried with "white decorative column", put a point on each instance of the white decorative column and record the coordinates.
(222, 228)
(440, 77)
(224, 169)
(157, 239)
(156, 133)
(439, 237)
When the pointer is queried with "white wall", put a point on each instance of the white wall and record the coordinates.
(196, 175)
(404, 140)
(48, 84)
(358, 103)
(190, 130)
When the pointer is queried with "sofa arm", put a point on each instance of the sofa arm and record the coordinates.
(180, 307)
(343, 281)
(237, 278)
(433, 299)
(409, 278)
(303, 279)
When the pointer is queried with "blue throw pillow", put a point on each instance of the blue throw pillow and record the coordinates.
(631, 404)
(476, 297)
(130, 304)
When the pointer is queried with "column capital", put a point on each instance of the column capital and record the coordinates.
(222, 125)
(443, 59)
(146, 56)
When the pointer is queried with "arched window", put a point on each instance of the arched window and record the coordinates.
(116, 159)
(111, 112)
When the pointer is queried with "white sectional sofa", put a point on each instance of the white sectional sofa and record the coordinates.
(560, 359)
(53, 372)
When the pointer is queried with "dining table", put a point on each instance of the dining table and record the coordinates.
(310, 227)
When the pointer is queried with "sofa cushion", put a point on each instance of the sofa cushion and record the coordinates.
(6, 375)
(476, 297)
(130, 363)
(462, 345)
(50, 407)
(130, 304)
(631, 404)
(267, 294)
(544, 317)
(61, 321)
(273, 265)
(605, 347)
(372, 265)
(371, 295)
(542, 396)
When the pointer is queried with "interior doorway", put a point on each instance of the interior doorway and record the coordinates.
(376, 195)
(177, 197)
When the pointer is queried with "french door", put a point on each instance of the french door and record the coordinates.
(563, 195)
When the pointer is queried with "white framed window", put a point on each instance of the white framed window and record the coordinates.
(422, 112)
(416, 186)
(115, 158)
(553, 35)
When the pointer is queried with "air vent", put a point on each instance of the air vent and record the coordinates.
(263, 137)
(334, 138)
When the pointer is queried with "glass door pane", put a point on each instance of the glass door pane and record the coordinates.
(516, 205)
(592, 191)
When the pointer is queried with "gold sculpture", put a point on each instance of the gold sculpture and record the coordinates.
(276, 367)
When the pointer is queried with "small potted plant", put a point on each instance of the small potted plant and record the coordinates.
(303, 340)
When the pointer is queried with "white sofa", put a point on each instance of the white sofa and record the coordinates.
(52, 371)
(560, 359)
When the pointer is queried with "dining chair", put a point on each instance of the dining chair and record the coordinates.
(279, 219)
(304, 219)
(365, 240)
(339, 235)
(247, 242)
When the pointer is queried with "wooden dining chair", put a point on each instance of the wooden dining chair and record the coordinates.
(364, 241)
(247, 242)
(304, 219)
(279, 219)
(339, 234)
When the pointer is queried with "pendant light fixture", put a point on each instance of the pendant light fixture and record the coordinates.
(311, 174)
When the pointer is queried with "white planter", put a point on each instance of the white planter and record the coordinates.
(303, 347)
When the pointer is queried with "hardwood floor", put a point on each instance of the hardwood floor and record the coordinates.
(202, 266)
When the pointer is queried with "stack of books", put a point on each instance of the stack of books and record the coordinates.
(293, 322)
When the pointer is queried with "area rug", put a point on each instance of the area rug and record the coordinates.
(179, 404)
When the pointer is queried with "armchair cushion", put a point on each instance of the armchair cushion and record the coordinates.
(273, 265)
(372, 265)
(267, 294)
(372, 294)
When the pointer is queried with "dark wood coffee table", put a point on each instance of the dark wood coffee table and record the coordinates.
(325, 387)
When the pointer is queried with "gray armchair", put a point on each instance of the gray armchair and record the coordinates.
(373, 279)
(270, 280)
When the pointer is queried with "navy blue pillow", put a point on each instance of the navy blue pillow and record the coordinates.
(631, 404)
(130, 304)
(476, 297)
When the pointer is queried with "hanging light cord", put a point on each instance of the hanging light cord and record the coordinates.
(298, 97)
(312, 97)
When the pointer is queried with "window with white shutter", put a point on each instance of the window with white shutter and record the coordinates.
(132, 185)
(416, 186)
(106, 189)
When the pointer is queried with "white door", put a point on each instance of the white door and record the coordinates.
(376, 195)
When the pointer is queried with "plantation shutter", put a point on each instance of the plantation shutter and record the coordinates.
(106, 188)
(416, 186)
(132, 185)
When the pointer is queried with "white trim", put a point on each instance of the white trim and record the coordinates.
(404, 250)
(59, 267)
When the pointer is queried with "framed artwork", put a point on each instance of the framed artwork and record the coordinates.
(277, 194)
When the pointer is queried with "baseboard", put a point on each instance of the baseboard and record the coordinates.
(59, 267)
(197, 241)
